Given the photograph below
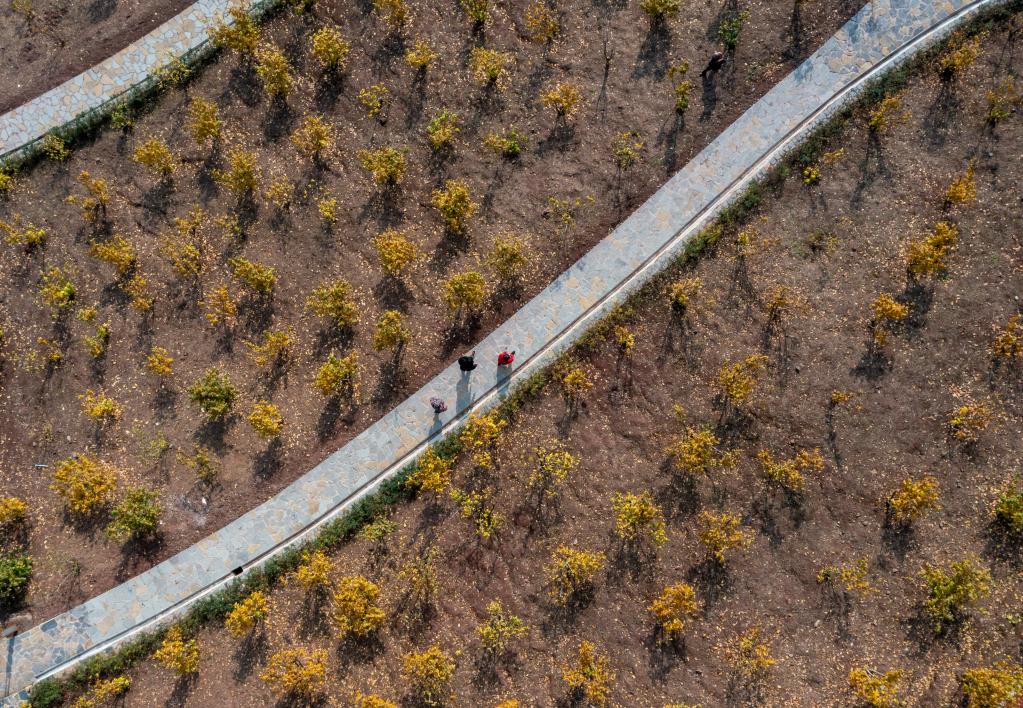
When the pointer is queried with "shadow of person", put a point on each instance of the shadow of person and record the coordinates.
(709, 96)
(463, 393)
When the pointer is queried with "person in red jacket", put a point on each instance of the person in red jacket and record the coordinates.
(506, 358)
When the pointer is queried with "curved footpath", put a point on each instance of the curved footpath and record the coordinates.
(132, 70)
(882, 34)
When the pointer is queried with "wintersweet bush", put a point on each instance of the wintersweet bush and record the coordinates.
(1008, 342)
(242, 35)
(329, 48)
(274, 70)
(589, 675)
(296, 672)
(680, 85)
(12, 511)
(789, 474)
(15, 575)
(242, 174)
(420, 55)
(962, 52)
(334, 300)
(394, 12)
(100, 407)
(749, 655)
(673, 609)
(373, 98)
(507, 259)
(256, 276)
(116, 251)
(697, 452)
(387, 165)
(847, 578)
(506, 143)
(442, 129)
(391, 332)
(571, 574)
(102, 692)
(275, 350)
(636, 516)
(220, 307)
(94, 204)
(626, 149)
(564, 98)
(927, 257)
(136, 516)
(553, 465)
(313, 573)
(432, 473)
(204, 121)
(266, 419)
(356, 610)
(313, 137)
(962, 190)
(886, 314)
(480, 437)
(338, 376)
(951, 590)
(660, 9)
(875, 689)
(489, 67)
(371, 700)
(56, 290)
(736, 382)
(475, 507)
(542, 23)
(968, 421)
(84, 483)
(914, 498)
(476, 10)
(429, 673)
(154, 155)
(465, 294)
(1008, 511)
(887, 114)
(455, 204)
(177, 653)
(247, 613)
(214, 394)
(721, 533)
(501, 629)
(994, 686)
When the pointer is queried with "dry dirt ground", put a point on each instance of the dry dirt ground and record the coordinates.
(41, 421)
(836, 245)
(47, 42)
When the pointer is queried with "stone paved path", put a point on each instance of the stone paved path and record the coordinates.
(882, 33)
(128, 69)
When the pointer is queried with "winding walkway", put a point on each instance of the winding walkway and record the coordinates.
(883, 33)
(99, 89)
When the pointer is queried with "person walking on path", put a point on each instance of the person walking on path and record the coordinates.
(506, 358)
(717, 60)
(467, 362)
(439, 406)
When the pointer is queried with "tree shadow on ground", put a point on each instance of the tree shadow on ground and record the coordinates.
(250, 654)
(663, 654)
(712, 579)
(138, 554)
(183, 688)
(269, 462)
(652, 59)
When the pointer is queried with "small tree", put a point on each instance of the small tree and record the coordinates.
(637, 516)
(749, 655)
(962, 190)
(312, 138)
(660, 10)
(334, 300)
(420, 56)
(275, 349)
(391, 332)
(563, 98)
(154, 155)
(100, 407)
(394, 12)
(15, 575)
(992, 687)
(242, 175)
(1007, 346)
(887, 114)
(454, 204)
(330, 49)
(500, 629)
(396, 251)
(256, 276)
(116, 251)
(680, 85)
(878, 690)
(542, 22)
(722, 533)
(432, 473)
(372, 99)
(246, 614)
(338, 376)
(507, 260)
(887, 313)
(736, 382)
(137, 516)
(571, 573)
(481, 436)
(465, 294)
(489, 67)
(214, 394)
(429, 673)
(296, 672)
(1008, 511)
(242, 35)
(476, 10)
(913, 499)
(266, 420)
(204, 121)
(178, 654)
(953, 589)
(387, 165)
(553, 465)
(220, 307)
(673, 609)
(927, 257)
(474, 507)
(441, 130)
(589, 675)
(968, 421)
(698, 451)
(788, 474)
(84, 483)
(356, 610)
(274, 70)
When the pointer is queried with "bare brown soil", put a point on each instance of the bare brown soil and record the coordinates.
(41, 418)
(52, 41)
(878, 196)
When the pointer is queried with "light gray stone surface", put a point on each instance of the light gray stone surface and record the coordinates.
(881, 34)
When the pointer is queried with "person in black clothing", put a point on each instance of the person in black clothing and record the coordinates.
(717, 60)
(467, 362)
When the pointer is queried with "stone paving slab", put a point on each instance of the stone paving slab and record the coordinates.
(881, 34)
(117, 76)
